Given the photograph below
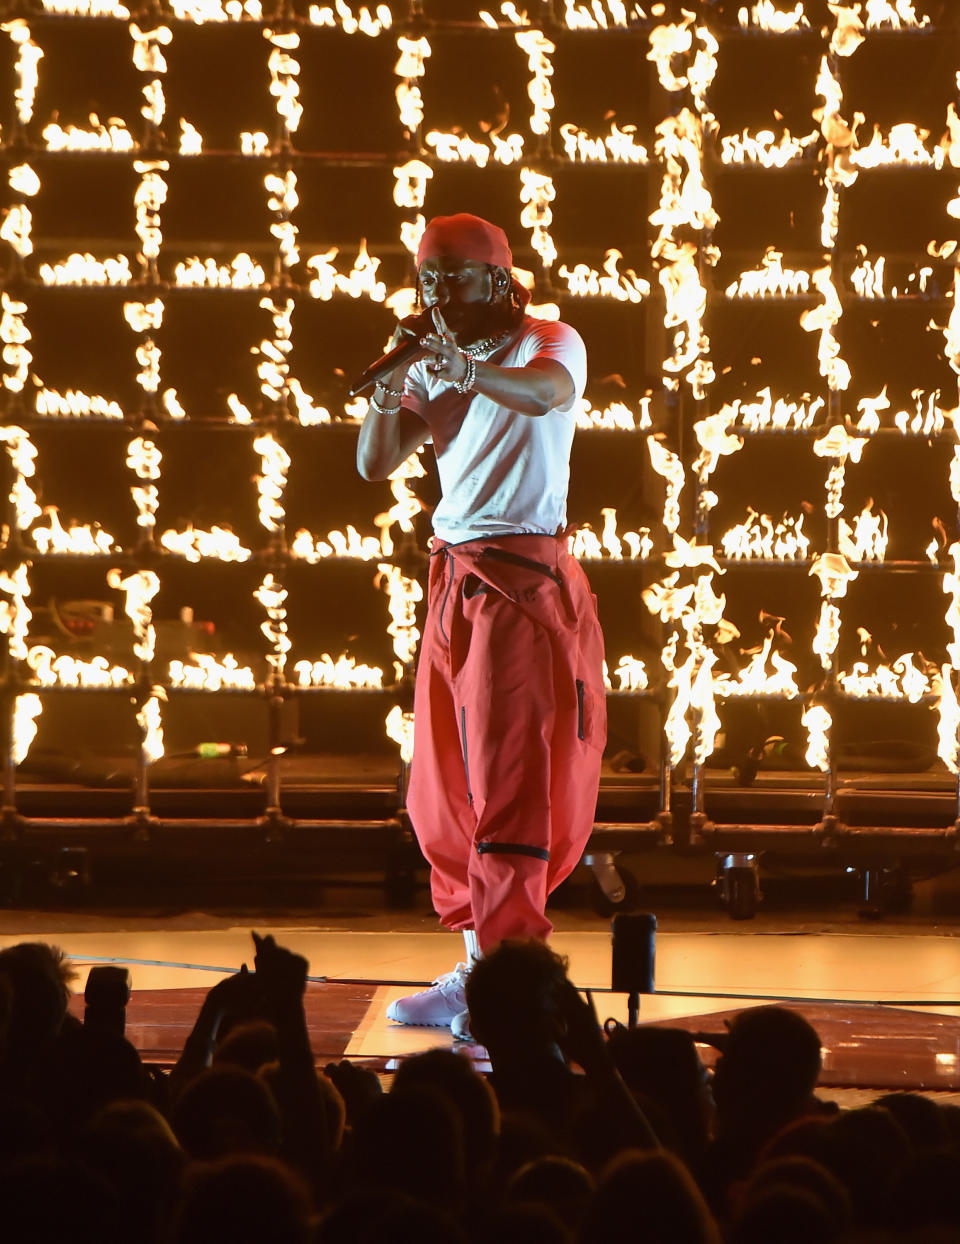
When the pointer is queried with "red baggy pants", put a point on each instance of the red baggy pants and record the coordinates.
(510, 724)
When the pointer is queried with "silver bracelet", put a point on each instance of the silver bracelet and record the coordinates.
(390, 392)
(469, 376)
(383, 410)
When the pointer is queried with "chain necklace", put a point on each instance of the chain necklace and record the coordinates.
(483, 348)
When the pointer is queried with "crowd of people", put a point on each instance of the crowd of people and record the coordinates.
(581, 1134)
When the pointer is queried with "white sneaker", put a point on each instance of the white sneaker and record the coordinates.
(435, 1007)
(460, 1027)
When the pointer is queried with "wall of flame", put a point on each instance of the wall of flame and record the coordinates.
(749, 211)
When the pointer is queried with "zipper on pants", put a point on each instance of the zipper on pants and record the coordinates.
(463, 745)
(579, 708)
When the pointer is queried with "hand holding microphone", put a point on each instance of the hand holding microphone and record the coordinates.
(410, 330)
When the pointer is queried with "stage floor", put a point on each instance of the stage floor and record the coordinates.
(885, 1000)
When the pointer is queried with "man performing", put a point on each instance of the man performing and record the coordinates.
(510, 714)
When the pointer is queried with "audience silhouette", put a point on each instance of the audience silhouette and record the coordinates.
(579, 1135)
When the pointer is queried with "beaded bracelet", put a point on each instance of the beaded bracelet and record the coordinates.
(390, 392)
(383, 410)
(469, 376)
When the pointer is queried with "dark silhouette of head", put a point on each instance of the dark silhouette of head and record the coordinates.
(558, 1182)
(37, 978)
(452, 1074)
(224, 1111)
(649, 1198)
(242, 1200)
(662, 1069)
(768, 1068)
(411, 1141)
(781, 1214)
(512, 996)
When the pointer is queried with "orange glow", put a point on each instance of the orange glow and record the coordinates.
(205, 673)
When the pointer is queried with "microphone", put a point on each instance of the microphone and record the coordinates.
(412, 329)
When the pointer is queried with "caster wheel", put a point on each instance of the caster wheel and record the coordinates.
(741, 893)
(603, 905)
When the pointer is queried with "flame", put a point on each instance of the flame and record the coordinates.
(768, 415)
(716, 441)
(149, 197)
(948, 719)
(817, 721)
(347, 543)
(85, 269)
(756, 679)
(952, 331)
(202, 11)
(951, 588)
(410, 189)
(284, 70)
(15, 613)
(667, 464)
(22, 454)
(666, 42)
(114, 136)
(191, 140)
(927, 419)
(631, 674)
(839, 445)
(759, 538)
(24, 180)
(139, 589)
(273, 597)
(585, 282)
(365, 23)
(901, 680)
(824, 319)
(361, 281)
(406, 504)
(834, 573)
(150, 721)
(219, 543)
(870, 408)
(867, 540)
(903, 145)
(403, 596)
(273, 368)
(16, 227)
(282, 200)
(399, 727)
(76, 404)
(50, 670)
(586, 545)
(459, 147)
(275, 462)
(537, 192)
(410, 67)
(619, 146)
(143, 458)
(28, 57)
(765, 148)
(14, 335)
(26, 709)
(254, 143)
(600, 15)
(867, 276)
(343, 673)
(765, 16)
(615, 417)
(538, 49)
(771, 279)
(205, 673)
(308, 415)
(242, 272)
(86, 8)
(827, 634)
(76, 538)
(901, 15)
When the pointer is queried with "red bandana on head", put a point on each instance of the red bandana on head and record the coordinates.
(467, 237)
